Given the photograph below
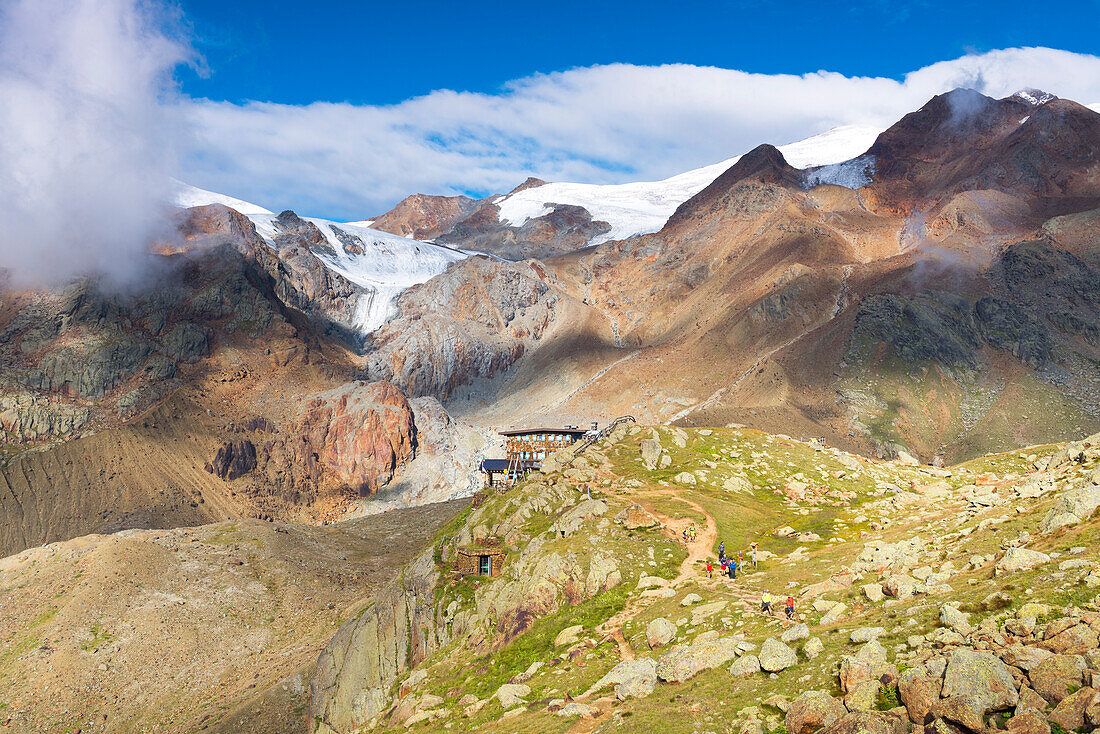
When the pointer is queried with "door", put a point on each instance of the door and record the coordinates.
(484, 565)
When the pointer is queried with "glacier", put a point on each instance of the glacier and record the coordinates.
(387, 265)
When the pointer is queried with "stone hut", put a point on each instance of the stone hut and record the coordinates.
(479, 561)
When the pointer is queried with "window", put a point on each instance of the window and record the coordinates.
(484, 565)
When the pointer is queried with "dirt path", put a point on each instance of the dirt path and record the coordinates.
(698, 551)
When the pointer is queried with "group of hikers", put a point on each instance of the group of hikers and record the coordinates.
(730, 566)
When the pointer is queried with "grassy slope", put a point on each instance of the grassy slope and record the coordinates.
(714, 699)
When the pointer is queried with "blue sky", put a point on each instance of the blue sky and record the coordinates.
(340, 111)
(386, 52)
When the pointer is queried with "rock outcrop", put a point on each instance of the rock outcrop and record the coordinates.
(354, 436)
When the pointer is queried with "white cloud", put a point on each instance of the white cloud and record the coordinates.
(87, 141)
(603, 124)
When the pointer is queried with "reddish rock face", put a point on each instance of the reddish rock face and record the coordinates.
(353, 436)
(423, 217)
(360, 431)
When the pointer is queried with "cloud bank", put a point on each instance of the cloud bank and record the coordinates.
(88, 135)
(92, 130)
(603, 124)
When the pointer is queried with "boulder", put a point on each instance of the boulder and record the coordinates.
(868, 663)
(868, 722)
(635, 675)
(834, 615)
(690, 599)
(813, 648)
(951, 617)
(684, 477)
(569, 635)
(919, 693)
(1029, 699)
(685, 662)
(603, 574)
(1092, 712)
(981, 675)
(737, 484)
(635, 688)
(776, 656)
(572, 520)
(811, 711)
(651, 452)
(1071, 508)
(966, 711)
(1019, 559)
(660, 632)
(1057, 676)
(704, 611)
(651, 582)
(1023, 657)
(798, 632)
(574, 708)
(511, 694)
(873, 592)
(1076, 640)
(745, 665)
(863, 695)
(1029, 721)
(861, 635)
(1070, 711)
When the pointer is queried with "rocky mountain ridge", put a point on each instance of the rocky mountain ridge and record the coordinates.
(886, 310)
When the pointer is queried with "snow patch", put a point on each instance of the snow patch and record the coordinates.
(188, 196)
(853, 174)
(640, 208)
(1034, 96)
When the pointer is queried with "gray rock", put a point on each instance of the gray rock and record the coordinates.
(685, 662)
(813, 648)
(660, 632)
(776, 656)
(745, 665)
(1019, 559)
(639, 673)
(981, 675)
(866, 634)
(651, 452)
(511, 694)
(798, 632)
(951, 617)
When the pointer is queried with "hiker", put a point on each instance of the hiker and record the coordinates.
(740, 559)
(766, 603)
(790, 607)
(754, 555)
(722, 549)
(692, 531)
(710, 570)
(733, 569)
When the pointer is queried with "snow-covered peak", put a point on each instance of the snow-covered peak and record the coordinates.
(1034, 96)
(382, 264)
(639, 208)
(188, 196)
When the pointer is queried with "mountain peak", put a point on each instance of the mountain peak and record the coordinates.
(1034, 97)
(763, 164)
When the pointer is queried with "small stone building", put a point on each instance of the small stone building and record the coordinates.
(479, 561)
